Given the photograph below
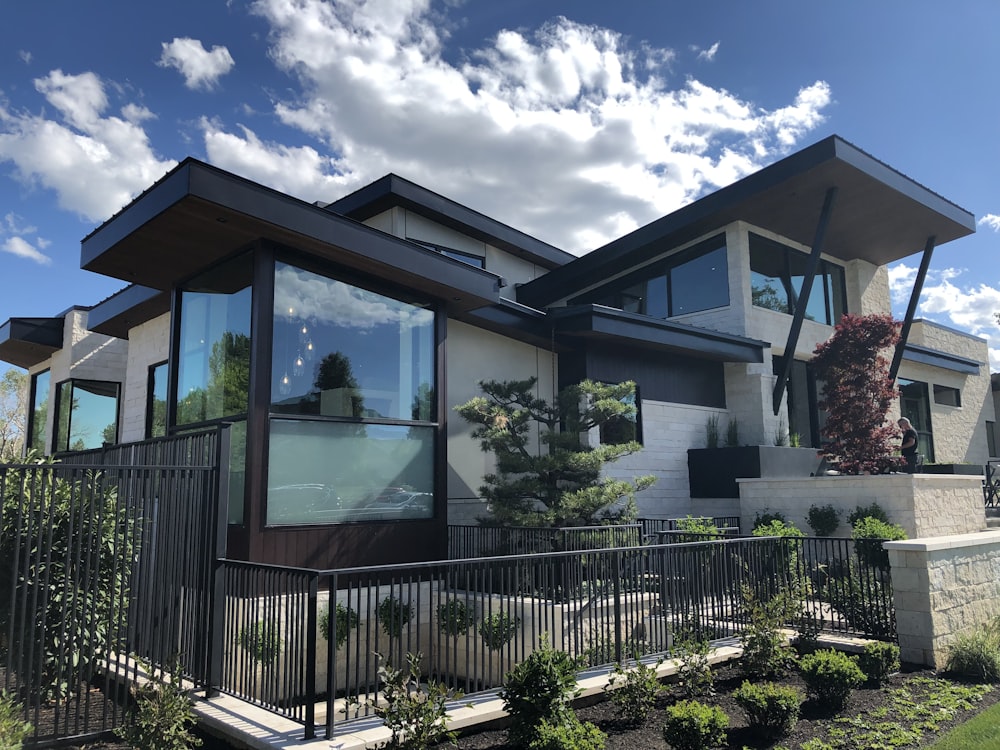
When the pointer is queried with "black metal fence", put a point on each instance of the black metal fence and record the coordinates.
(105, 557)
(295, 637)
(991, 484)
(493, 541)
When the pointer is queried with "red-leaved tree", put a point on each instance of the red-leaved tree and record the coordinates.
(857, 393)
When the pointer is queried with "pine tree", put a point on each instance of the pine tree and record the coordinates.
(858, 392)
(561, 483)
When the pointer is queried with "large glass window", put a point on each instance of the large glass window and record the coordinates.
(914, 404)
(156, 401)
(86, 414)
(691, 281)
(39, 411)
(359, 366)
(776, 275)
(213, 368)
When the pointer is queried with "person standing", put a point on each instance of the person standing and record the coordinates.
(908, 448)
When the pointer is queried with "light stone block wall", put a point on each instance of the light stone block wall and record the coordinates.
(148, 344)
(923, 504)
(943, 587)
(867, 288)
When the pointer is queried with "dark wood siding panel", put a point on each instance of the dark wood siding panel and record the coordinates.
(355, 545)
(661, 377)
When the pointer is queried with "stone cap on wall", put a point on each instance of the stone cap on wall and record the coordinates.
(932, 543)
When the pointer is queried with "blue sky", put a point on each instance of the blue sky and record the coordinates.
(574, 122)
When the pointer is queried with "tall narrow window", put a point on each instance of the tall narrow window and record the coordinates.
(914, 404)
(38, 416)
(156, 401)
(352, 403)
(86, 414)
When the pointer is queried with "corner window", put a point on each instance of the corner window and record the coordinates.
(776, 275)
(947, 396)
(86, 414)
(352, 403)
(626, 428)
(156, 401)
(691, 281)
(38, 415)
(213, 363)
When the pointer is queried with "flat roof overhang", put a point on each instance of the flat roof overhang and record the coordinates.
(879, 215)
(515, 321)
(197, 215)
(944, 360)
(599, 323)
(127, 308)
(26, 342)
(392, 190)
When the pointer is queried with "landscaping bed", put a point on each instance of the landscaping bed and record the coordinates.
(902, 713)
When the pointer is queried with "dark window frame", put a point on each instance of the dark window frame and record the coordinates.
(57, 408)
(945, 395)
(461, 256)
(150, 397)
(31, 426)
(918, 396)
(829, 274)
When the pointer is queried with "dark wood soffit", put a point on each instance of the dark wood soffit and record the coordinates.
(173, 231)
(26, 342)
(131, 307)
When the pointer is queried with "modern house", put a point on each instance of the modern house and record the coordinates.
(337, 339)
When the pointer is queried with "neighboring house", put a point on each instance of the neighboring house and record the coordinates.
(338, 338)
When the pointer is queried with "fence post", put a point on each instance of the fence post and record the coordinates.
(217, 607)
(311, 623)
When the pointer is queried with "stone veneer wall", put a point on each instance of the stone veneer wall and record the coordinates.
(923, 504)
(943, 587)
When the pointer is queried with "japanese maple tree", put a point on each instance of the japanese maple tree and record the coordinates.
(858, 392)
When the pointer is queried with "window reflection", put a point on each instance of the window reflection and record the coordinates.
(156, 401)
(776, 275)
(86, 414)
(39, 411)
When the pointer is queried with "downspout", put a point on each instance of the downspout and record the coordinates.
(911, 308)
(803, 300)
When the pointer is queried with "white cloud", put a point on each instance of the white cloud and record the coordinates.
(25, 56)
(200, 67)
(567, 132)
(992, 221)
(22, 248)
(94, 163)
(708, 55)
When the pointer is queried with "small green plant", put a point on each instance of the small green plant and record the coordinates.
(691, 725)
(498, 628)
(781, 433)
(540, 688)
(712, 431)
(454, 617)
(697, 529)
(569, 735)
(771, 709)
(733, 433)
(809, 626)
(823, 519)
(765, 654)
(766, 519)
(633, 690)
(694, 671)
(393, 615)
(346, 620)
(262, 641)
(162, 715)
(415, 712)
(830, 676)
(975, 656)
(868, 534)
(794, 440)
(14, 730)
(874, 510)
(878, 660)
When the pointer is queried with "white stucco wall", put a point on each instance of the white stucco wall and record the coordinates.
(148, 344)
(474, 355)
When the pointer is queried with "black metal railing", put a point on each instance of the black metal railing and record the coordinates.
(727, 525)
(991, 484)
(493, 541)
(472, 620)
(106, 557)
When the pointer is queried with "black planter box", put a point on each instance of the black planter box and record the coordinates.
(712, 472)
(967, 469)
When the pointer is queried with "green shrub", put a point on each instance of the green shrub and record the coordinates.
(771, 709)
(868, 535)
(415, 712)
(867, 511)
(691, 725)
(857, 593)
(830, 676)
(633, 691)
(733, 433)
(770, 525)
(694, 671)
(454, 617)
(162, 715)
(712, 431)
(878, 660)
(698, 529)
(540, 688)
(823, 519)
(766, 518)
(14, 730)
(262, 641)
(347, 619)
(393, 615)
(569, 735)
(976, 656)
(765, 654)
(497, 629)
